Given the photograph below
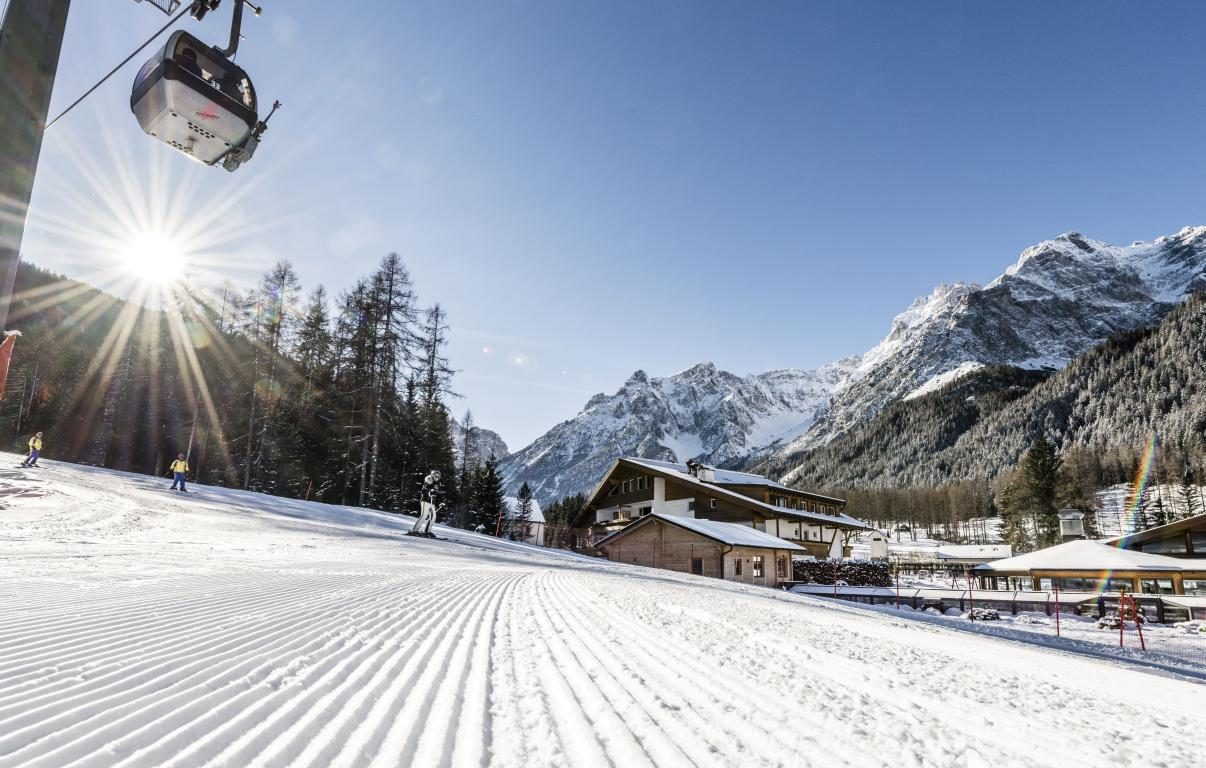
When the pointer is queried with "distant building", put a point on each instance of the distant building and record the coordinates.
(1095, 566)
(878, 546)
(535, 520)
(972, 554)
(1184, 539)
(703, 547)
(633, 488)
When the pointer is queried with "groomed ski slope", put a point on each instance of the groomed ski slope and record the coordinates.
(138, 627)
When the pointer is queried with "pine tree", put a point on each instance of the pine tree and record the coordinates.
(559, 516)
(313, 343)
(1142, 504)
(1041, 476)
(1012, 501)
(489, 504)
(521, 523)
(1189, 493)
(277, 319)
(469, 464)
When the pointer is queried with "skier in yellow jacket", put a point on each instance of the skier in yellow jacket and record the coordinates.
(35, 450)
(180, 470)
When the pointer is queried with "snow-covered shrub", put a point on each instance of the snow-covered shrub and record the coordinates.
(1031, 618)
(1195, 627)
(855, 573)
(1111, 620)
(984, 614)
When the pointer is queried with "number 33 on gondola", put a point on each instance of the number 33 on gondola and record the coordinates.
(194, 98)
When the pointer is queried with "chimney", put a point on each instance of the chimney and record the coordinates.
(693, 467)
(1071, 524)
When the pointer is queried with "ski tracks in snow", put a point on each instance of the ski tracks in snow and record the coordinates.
(180, 632)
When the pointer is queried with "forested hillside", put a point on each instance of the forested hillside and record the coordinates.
(264, 389)
(889, 449)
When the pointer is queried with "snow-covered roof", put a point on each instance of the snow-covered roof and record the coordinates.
(974, 551)
(727, 476)
(680, 471)
(1085, 555)
(725, 533)
(513, 509)
(1157, 532)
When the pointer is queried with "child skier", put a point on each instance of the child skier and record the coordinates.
(35, 450)
(180, 470)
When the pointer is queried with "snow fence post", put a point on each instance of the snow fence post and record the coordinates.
(835, 578)
(971, 604)
(1121, 615)
(1138, 625)
(1056, 609)
(898, 586)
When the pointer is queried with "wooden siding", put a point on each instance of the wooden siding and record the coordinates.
(659, 545)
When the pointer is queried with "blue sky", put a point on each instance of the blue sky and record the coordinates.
(592, 188)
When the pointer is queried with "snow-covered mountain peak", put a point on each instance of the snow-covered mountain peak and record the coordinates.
(1059, 298)
(918, 317)
(1056, 301)
(700, 412)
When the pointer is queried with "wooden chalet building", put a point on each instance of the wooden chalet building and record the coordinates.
(633, 488)
(703, 547)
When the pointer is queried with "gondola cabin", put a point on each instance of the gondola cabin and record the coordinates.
(190, 96)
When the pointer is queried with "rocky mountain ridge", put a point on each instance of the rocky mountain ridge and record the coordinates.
(1059, 299)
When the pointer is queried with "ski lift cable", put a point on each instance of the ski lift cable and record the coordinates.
(124, 62)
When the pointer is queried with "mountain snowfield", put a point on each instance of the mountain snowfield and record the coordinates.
(702, 412)
(144, 628)
(1060, 298)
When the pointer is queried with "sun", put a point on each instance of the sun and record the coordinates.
(154, 260)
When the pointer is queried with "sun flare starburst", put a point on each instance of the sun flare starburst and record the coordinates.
(156, 260)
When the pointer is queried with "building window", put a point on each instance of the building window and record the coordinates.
(781, 567)
(1194, 586)
(1166, 547)
(737, 563)
(691, 505)
(757, 563)
(1157, 586)
(640, 483)
(712, 503)
(644, 511)
(1197, 540)
(697, 566)
(1074, 584)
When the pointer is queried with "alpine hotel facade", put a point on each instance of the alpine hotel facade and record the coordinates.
(714, 522)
